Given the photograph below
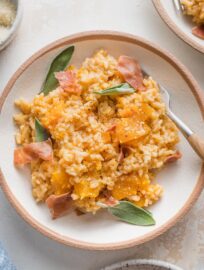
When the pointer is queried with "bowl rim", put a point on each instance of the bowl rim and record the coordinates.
(15, 25)
(187, 76)
(174, 27)
(136, 262)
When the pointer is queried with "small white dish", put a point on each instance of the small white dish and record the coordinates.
(182, 181)
(142, 265)
(15, 25)
(181, 25)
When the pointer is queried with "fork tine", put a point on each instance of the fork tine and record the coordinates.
(165, 96)
(162, 89)
(178, 5)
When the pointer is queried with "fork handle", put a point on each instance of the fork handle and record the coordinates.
(195, 141)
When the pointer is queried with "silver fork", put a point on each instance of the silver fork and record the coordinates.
(178, 6)
(194, 140)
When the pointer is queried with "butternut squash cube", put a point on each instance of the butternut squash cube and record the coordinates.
(125, 187)
(60, 181)
(142, 112)
(106, 137)
(128, 129)
(84, 189)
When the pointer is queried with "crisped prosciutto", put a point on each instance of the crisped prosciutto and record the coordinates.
(67, 81)
(198, 31)
(173, 157)
(27, 153)
(59, 204)
(131, 71)
(111, 128)
(21, 157)
(111, 202)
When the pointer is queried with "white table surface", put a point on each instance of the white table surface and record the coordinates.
(45, 21)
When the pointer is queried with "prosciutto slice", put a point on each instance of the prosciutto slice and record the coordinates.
(59, 204)
(111, 128)
(198, 31)
(131, 71)
(111, 202)
(29, 152)
(67, 81)
(173, 157)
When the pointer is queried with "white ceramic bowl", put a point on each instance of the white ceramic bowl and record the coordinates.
(142, 265)
(180, 24)
(182, 181)
(15, 25)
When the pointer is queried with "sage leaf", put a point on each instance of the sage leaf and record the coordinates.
(59, 64)
(120, 89)
(41, 133)
(130, 213)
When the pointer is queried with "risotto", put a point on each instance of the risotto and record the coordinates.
(194, 8)
(105, 147)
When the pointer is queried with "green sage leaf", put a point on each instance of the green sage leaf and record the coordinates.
(41, 133)
(130, 213)
(120, 89)
(59, 64)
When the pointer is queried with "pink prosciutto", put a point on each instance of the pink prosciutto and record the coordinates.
(131, 71)
(198, 31)
(59, 204)
(29, 152)
(67, 81)
(173, 157)
(111, 202)
(111, 128)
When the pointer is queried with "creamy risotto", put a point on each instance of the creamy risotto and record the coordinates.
(105, 147)
(194, 8)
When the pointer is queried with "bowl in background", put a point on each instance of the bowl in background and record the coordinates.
(15, 25)
(179, 23)
(142, 265)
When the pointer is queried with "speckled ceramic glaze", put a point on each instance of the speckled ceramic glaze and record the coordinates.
(142, 265)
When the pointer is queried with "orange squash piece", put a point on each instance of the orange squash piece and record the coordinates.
(143, 112)
(53, 115)
(129, 185)
(84, 190)
(125, 187)
(128, 129)
(106, 137)
(60, 181)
